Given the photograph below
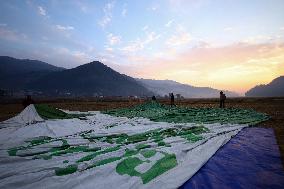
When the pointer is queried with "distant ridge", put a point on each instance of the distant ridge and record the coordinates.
(90, 79)
(163, 87)
(274, 89)
(9, 65)
(16, 74)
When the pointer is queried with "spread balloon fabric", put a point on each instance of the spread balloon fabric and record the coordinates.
(49, 148)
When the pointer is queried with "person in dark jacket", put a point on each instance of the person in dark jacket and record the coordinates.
(28, 101)
(172, 99)
(222, 99)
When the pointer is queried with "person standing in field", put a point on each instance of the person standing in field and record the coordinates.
(222, 99)
(28, 101)
(172, 99)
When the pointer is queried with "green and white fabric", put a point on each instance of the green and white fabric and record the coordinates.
(97, 150)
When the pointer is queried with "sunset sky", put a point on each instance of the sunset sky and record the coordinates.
(224, 44)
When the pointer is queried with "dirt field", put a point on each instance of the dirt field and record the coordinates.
(271, 106)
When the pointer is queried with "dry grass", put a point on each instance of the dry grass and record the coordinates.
(271, 106)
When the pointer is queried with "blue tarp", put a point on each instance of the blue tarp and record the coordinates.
(249, 160)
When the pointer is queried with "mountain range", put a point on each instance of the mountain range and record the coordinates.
(16, 74)
(163, 87)
(97, 79)
(92, 79)
(272, 89)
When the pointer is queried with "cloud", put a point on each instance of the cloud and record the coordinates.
(44, 38)
(3, 24)
(169, 23)
(83, 7)
(107, 48)
(64, 28)
(151, 36)
(228, 29)
(153, 7)
(203, 44)
(69, 58)
(183, 5)
(107, 15)
(65, 31)
(258, 39)
(145, 28)
(124, 10)
(12, 35)
(181, 37)
(113, 40)
(133, 46)
(139, 44)
(178, 39)
(41, 11)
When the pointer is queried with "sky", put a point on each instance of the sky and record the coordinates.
(224, 44)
